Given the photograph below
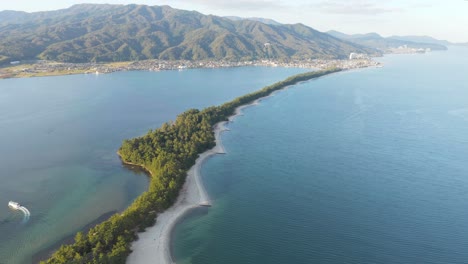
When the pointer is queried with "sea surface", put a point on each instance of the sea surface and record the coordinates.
(367, 166)
(59, 137)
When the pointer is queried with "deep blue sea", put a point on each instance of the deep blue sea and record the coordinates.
(367, 166)
(59, 137)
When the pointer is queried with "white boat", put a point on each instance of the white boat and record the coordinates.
(14, 205)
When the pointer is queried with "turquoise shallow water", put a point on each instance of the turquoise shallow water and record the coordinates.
(367, 166)
(59, 136)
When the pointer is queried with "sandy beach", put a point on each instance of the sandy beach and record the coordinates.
(153, 245)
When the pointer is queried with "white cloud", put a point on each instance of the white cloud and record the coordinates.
(244, 5)
(354, 7)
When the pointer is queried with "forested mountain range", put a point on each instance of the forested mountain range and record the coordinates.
(104, 33)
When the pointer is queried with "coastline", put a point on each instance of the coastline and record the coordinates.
(140, 166)
(52, 68)
(45, 253)
(154, 244)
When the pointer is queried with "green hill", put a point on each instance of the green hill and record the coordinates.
(103, 33)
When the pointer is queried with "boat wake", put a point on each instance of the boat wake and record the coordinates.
(17, 207)
(26, 213)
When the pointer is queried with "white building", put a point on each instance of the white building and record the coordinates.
(357, 56)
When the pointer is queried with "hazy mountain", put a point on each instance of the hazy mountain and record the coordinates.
(9, 16)
(374, 40)
(423, 39)
(354, 36)
(259, 19)
(91, 32)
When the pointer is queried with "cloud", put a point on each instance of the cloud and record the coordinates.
(423, 5)
(243, 5)
(354, 7)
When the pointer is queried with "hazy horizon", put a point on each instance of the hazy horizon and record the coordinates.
(443, 21)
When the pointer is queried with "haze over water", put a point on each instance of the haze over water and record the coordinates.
(59, 137)
(367, 166)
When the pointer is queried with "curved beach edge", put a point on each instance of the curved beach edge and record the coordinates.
(154, 245)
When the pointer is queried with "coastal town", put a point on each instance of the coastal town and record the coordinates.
(20, 69)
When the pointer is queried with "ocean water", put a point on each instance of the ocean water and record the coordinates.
(367, 166)
(59, 137)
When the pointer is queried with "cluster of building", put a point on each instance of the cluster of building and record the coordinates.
(321, 63)
(157, 65)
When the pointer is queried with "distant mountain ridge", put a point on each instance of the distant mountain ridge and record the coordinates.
(8, 16)
(259, 19)
(375, 40)
(103, 33)
(423, 39)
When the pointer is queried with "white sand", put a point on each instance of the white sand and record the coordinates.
(153, 245)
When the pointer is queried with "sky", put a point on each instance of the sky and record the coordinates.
(442, 19)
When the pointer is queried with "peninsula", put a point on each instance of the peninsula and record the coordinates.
(172, 154)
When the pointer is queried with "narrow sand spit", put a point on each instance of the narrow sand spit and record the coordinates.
(153, 245)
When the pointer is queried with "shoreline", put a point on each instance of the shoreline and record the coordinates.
(142, 167)
(52, 68)
(154, 244)
(45, 253)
